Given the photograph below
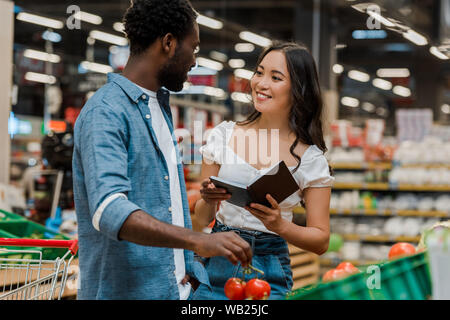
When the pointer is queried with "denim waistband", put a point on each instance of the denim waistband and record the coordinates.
(262, 243)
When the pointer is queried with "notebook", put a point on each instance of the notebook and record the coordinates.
(277, 181)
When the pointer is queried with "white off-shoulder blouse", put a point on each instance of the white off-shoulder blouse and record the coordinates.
(313, 172)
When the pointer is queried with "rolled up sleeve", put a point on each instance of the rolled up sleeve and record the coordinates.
(103, 150)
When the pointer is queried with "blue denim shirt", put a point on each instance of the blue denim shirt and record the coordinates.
(116, 151)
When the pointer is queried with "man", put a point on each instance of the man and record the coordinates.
(135, 237)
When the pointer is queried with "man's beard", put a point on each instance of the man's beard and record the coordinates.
(173, 74)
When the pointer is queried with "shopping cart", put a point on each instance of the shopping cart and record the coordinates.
(24, 275)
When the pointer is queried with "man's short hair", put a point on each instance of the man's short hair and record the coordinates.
(147, 20)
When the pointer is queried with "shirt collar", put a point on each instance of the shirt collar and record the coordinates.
(133, 91)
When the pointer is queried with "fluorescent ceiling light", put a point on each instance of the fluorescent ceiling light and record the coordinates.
(208, 63)
(96, 67)
(445, 108)
(415, 37)
(402, 91)
(350, 102)
(358, 76)
(40, 55)
(380, 18)
(393, 73)
(244, 47)
(40, 77)
(215, 92)
(51, 36)
(243, 73)
(202, 71)
(236, 63)
(435, 51)
(219, 56)
(88, 17)
(369, 107)
(108, 37)
(337, 68)
(42, 21)
(382, 84)
(241, 97)
(209, 22)
(119, 27)
(255, 38)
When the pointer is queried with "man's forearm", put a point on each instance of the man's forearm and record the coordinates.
(141, 228)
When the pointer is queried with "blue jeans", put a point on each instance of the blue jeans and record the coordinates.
(270, 254)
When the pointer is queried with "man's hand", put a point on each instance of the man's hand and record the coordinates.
(227, 244)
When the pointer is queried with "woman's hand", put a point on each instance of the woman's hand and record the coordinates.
(212, 195)
(270, 217)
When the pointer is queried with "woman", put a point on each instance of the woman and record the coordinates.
(288, 109)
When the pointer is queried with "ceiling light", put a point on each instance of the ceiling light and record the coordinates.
(40, 77)
(219, 56)
(393, 73)
(208, 63)
(88, 17)
(244, 47)
(358, 76)
(215, 92)
(40, 55)
(96, 67)
(382, 84)
(243, 73)
(236, 63)
(255, 38)
(369, 107)
(435, 51)
(42, 21)
(380, 18)
(108, 37)
(337, 68)
(51, 36)
(415, 37)
(241, 97)
(209, 22)
(445, 108)
(350, 102)
(402, 91)
(119, 27)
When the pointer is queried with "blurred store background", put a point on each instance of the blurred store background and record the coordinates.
(385, 75)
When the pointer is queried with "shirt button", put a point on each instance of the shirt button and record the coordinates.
(144, 96)
(170, 209)
(147, 116)
(166, 177)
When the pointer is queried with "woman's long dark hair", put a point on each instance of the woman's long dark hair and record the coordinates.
(305, 118)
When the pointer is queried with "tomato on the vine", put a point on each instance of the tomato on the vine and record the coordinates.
(257, 289)
(235, 289)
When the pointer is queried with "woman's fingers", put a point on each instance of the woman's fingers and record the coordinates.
(272, 201)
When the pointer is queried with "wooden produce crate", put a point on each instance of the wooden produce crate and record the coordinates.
(305, 267)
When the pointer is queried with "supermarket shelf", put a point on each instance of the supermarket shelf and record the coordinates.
(389, 187)
(199, 105)
(361, 165)
(380, 238)
(386, 165)
(381, 212)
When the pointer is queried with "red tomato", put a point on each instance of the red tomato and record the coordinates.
(401, 249)
(347, 267)
(257, 289)
(334, 274)
(235, 289)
